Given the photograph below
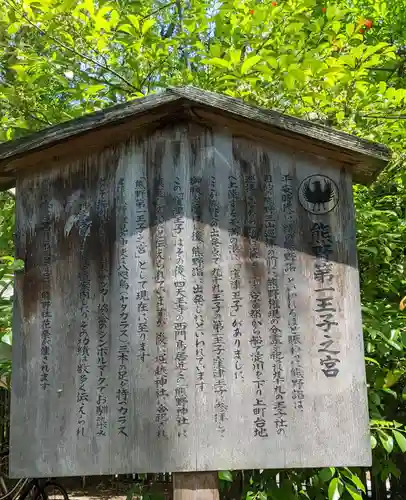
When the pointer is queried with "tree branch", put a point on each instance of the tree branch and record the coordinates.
(159, 10)
(38, 119)
(385, 117)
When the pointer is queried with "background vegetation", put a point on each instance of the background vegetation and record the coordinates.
(340, 63)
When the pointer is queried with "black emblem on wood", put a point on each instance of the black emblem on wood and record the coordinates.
(318, 194)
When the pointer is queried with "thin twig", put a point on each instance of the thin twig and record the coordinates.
(36, 118)
(159, 10)
(385, 117)
(150, 73)
(71, 49)
(382, 69)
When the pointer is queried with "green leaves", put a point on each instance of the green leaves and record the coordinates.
(249, 63)
(347, 474)
(352, 490)
(386, 440)
(134, 20)
(332, 12)
(127, 28)
(93, 89)
(400, 440)
(350, 29)
(289, 81)
(335, 489)
(5, 352)
(235, 56)
(217, 62)
(346, 481)
(147, 25)
(392, 377)
(327, 473)
(387, 432)
(225, 475)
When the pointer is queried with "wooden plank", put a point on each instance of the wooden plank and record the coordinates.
(95, 140)
(195, 486)
(362, 173)
(365, 156)
(112, 115)
(190, 301)
(281, 121)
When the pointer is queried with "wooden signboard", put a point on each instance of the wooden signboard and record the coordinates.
(190, 301)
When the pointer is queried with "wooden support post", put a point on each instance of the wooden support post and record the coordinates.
(195, 486)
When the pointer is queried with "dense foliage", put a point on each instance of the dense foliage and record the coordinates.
(337, 62)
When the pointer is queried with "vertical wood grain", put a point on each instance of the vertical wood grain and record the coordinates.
(184, 329)
(195, 486)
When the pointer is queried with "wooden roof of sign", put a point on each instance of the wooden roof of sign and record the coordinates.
(364, 158)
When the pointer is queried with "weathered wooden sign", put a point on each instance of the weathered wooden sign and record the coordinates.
(190, 301)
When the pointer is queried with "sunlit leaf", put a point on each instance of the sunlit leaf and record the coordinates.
(390, 342)
(127, 29)
(235, 56)
(335, 489)
(134, 21)
(371, 360)
(354, 479)
(352, 490)
(386, 440)
(401, 440)
(225, 475)
(392, 377)
(289, 81)
(249, 63)
(89, 5)
(216, 61)
(147, 25)
(94, 89)
(350, 29)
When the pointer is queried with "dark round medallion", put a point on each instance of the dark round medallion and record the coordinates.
(318, 194)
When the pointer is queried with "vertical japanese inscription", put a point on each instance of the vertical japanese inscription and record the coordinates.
(256, 341)
(180, 325)
(274, 308)
(123, 336)
(141, 263)
(161, 341)
(235, 275)
(198, 276)
(296, 367)
(103, 316)
(45, 298)
(325, 308)
(84, 339)
(219, 371)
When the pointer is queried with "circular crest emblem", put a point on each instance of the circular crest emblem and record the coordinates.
(318, 194)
